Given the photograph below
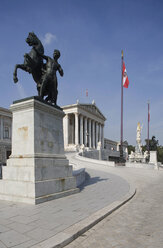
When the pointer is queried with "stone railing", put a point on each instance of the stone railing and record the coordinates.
(102, 154)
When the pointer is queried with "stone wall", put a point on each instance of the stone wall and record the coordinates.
(103, 154)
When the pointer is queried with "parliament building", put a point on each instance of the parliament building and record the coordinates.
(83, 127)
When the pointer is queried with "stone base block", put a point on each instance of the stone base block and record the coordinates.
(38, 160)
(43, 188)
(38, 183)
(33, 200)
(37, 192)
(33, 174)
(37, 170)
(153, 157)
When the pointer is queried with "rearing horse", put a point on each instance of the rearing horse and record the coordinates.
(33, 63)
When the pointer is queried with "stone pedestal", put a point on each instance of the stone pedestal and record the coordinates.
(37, 169)
(153, 157)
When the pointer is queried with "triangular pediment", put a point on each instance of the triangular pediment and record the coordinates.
(92, 108)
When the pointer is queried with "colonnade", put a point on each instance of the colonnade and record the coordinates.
(87, 132)
(1, 127)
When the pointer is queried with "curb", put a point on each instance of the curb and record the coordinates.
(71, 233)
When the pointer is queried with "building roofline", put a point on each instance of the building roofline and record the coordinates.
(114, 141)
(5, 111)
(83, 104)
(118, 142)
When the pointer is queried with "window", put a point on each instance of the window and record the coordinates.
(6, 132)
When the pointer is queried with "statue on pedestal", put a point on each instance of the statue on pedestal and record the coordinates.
(138, 136)
(138, 156)
(43, 74)
(49, 83)
(33, 63)
(138, 139)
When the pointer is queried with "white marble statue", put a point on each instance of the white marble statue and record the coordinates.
(139, 128)
(138, 155)
(138, 139)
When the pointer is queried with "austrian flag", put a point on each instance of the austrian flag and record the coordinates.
(125, 77)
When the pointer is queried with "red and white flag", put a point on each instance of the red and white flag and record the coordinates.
(125, 77)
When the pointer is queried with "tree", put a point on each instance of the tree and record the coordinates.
(130, 148)
(160, 154)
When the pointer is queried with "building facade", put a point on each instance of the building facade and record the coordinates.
(111, 145)
(83, 125)
(113, 148)
(5, 134)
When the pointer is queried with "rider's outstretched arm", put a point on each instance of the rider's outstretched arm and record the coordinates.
(60, 70)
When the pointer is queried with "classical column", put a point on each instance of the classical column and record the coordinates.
(76, 129)
(102, 136)
(11, 132)
(99, 132)
(93, 134)
(90, 134)
(1, 128)
(85, 131)
(81, 129)
(66, 133)
(96, 134)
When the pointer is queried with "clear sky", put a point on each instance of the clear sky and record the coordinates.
(90, 35)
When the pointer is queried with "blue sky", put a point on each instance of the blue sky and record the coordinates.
(90, 35)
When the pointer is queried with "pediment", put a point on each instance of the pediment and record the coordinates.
(92, 108)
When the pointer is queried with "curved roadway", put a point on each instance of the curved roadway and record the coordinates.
(139, 223)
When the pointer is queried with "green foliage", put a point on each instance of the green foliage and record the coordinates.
(130, 148)
(144, 148)
(160, 154)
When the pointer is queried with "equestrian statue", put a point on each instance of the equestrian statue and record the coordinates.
(44, 74)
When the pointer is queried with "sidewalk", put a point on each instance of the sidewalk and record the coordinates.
(60, 221)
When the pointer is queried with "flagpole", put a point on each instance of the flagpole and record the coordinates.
(121, 142)
(148, 129)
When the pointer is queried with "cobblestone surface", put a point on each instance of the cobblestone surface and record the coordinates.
(138, 224)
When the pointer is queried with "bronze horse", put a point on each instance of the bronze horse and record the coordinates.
(33, 63)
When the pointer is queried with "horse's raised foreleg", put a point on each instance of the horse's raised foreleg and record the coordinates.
(23, 67)
(29, 61)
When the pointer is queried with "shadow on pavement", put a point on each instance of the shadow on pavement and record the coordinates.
(90, 180)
